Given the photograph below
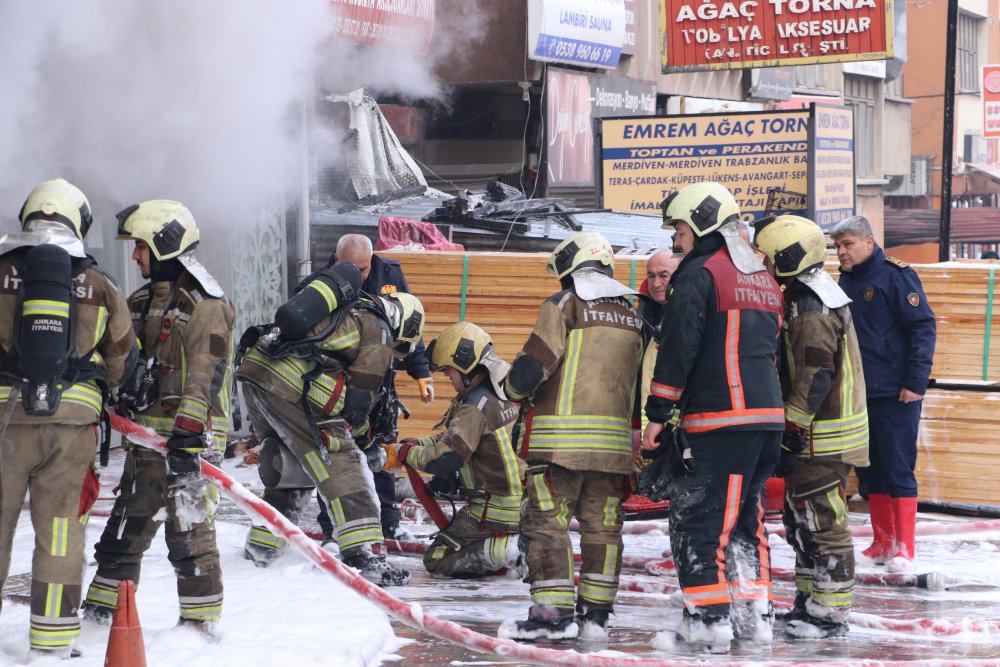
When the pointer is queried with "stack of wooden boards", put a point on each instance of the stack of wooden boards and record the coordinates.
(957, 462)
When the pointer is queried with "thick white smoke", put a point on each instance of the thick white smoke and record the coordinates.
(187, 99)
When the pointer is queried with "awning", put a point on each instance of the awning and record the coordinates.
(991, 170)
(968, 225)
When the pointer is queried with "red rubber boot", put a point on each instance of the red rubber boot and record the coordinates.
(904, 512)
(883, 526)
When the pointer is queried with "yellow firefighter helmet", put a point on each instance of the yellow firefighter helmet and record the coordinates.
(704, 206)
(579, 251)
(408, 320)
(166, 226)
(59, 201)
(461, 346)
(792, 243)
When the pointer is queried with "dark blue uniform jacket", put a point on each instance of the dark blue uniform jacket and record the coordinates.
(895, 325)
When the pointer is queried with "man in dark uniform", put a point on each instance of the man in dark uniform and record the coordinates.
(715, 383)
(896, 332)
(382, 277)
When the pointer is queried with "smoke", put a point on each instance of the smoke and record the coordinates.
(189, 100)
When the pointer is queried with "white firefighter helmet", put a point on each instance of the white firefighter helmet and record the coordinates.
(704, 206)
(464, 346)
(792, 243)
(57, 201)
(166, 226)
(407, 316)
(579, 251)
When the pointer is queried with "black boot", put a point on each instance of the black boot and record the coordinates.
(593, 621)
(97, 613)
(810, 627)
(377, 569)
(543, 622)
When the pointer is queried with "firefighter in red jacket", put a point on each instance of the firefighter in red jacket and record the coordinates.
(715, 408)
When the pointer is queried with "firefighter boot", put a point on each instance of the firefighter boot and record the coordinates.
(752, 622)
(544, 622)
(593, 621)
(704, 633)
(883, 526)
(377, 569)
(97, 613)
(904, 511)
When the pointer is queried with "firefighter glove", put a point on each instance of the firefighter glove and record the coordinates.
(183, 467)
(445, 485)
(188, 443)
(376, 457)
(398, 453)
(793, 443)
(426, 389)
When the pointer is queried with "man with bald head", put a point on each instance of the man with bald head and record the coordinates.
(659, 268)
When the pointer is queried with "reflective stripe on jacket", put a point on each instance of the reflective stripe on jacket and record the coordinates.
(719, 360)
(822, 379)
(589, 352)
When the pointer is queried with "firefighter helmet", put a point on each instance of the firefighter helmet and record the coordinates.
(407, 320)
(59, 201)
(792, 243)
(582, 250)
(461, 346)
(704, 206)
(167, 227)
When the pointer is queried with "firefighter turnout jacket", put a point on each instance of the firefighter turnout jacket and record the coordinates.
(189, 333)
(103, 336)
(477, 443)
(578, 369)
(341, 380)
(822, 378)
(720, 324)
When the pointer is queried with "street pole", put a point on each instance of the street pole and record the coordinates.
(947, 147)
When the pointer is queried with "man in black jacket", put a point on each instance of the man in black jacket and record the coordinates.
(382, 277)
(716, 384)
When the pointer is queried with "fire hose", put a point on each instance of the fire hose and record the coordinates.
(412, 613)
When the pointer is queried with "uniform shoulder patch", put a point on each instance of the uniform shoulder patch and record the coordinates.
(895, 261)
(913, 299)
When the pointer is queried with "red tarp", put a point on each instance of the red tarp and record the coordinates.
(394, 232)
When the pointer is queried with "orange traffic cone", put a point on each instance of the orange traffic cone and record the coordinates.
(125, 645)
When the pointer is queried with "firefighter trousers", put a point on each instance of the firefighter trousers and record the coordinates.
(815, 519)
(554, 495)
(340, 472)
(717, 532)
(54, 463)
(136, 517)
(467, 548)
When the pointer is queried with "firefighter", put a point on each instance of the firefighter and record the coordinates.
(715, 408)
(826, 424)
(474, 455)
(575, 379)
(74, 341)
(314, 403)
(181, 390)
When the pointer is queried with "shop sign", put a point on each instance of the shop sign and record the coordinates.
(831, 167)
(628, 48)
(991, 100)
(734, 34)
(402, 24)
(588, 33)
(573, 100)
(752, 153)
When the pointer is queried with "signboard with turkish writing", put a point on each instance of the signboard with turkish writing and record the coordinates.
(991, 100)
(588, 33)
(402, 24)
(573, 100)
(645, 159)
(734, 34)
(831, 167)
(628, 48)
